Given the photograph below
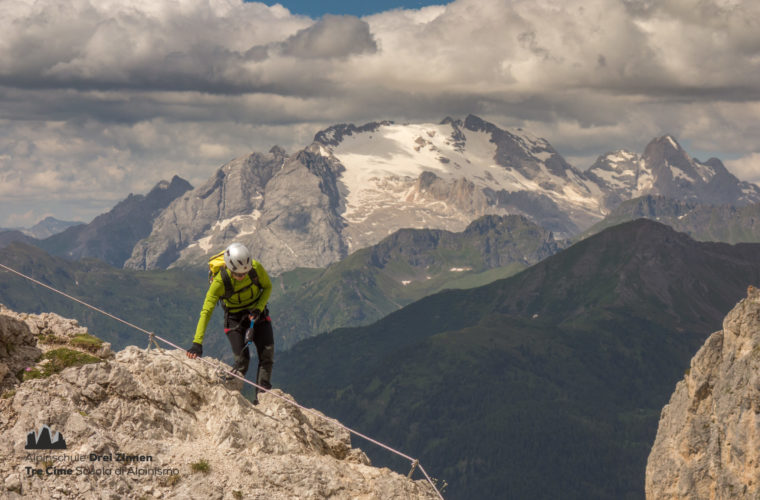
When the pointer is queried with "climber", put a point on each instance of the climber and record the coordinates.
(243, 287)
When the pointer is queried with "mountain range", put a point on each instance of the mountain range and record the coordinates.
(404, 267)
(354, 185)
(110, 237)
(703, 222)
(665, 169)
(547, 384)
(45, 228)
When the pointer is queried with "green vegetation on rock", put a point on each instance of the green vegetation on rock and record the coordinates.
(58, 360)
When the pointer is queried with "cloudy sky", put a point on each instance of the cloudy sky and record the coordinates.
(100, 98)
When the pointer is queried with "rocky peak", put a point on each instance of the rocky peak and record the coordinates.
(165, 192)
(49, 226)
(666, 169)
(664, 143)
(154, 424)
(707, 443)
(176, 187)
(210, 217)
(621, 161)
(277, 151)
(522, 151)
(664, 151)
(333, 136)
(111, 236)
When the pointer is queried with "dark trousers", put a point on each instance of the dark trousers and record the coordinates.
(235, 325)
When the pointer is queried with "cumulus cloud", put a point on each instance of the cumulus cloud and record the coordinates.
(331, 36)
(747, 167)
(97, 89)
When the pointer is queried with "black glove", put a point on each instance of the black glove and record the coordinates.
(197, 349)
(249, 336)
(254, 315)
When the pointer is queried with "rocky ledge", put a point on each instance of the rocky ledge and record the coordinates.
(708, 440)
(154, 424)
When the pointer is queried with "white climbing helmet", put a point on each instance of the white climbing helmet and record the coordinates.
(237, 258)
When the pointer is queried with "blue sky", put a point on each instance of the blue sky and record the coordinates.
(106, 98)
(319, 8)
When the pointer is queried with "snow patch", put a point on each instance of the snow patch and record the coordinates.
(613, 179)
(460, 269)
(238, 220)
(204, 244)
(245, 225)
(704, 171)
(645, 182)
(679, 174)
(621, 156)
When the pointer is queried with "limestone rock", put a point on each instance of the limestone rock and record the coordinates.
(18, 349)
(155, 424)
(283, 208)
(708, 440)
(24, 338)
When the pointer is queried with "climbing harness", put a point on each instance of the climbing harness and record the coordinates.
(152, 337)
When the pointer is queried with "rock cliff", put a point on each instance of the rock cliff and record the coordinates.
(111, 236)
(154, 424)
(708, 440)
(284, 208)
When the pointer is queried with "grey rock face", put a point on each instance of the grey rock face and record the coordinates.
(183, 434)
(283, 208)
(300, 221)
(110, 237)
(513, 151)
(621, 176)
(708, 443)
(189, 225)
(332, 136)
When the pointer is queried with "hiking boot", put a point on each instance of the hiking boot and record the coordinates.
(231, 381)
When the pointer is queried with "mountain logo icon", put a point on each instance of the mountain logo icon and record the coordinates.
(45, 439)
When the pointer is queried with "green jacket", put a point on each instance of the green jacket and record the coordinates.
(247, 296)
